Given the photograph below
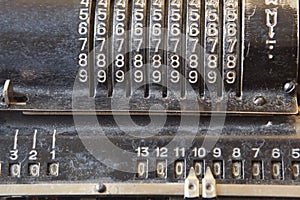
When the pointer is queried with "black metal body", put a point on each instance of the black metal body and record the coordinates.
(40, 48)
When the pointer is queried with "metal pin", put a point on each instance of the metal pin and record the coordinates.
(259, 101)
(289, 87)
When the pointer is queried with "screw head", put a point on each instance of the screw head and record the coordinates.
(101, 188)
(209, 187)
(259, 101)
(192, 186)
(289, 87)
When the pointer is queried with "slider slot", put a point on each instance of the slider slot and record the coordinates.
(165, 51)
(202, 86)
(240, 50)
(110, 42)
(183, 50)
(91, 46)
(147, 63)
(221, 50)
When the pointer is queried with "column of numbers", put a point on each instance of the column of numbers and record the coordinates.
(102, 36)
(211, 46)
(193, 27)
(120, 44)
(138, 33)
(82, 30)
(230, 59)
(156, 41)
(174, 58)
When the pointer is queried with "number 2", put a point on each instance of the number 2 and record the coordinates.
(33, 155)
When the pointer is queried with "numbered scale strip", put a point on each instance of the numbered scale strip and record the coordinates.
(49, 151)
(161, 47)
(42, 155)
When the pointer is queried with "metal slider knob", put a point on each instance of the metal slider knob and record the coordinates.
(191, 185)
(209, 185)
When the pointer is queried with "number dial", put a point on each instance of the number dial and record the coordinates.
(175, 55)
(82, 59)
(193, 46)
(138, 45)
(120, 46)
(156, 54)
(102, 27)
(231, 40)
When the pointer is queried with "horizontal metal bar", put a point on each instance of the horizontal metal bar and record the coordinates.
(153, 189)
